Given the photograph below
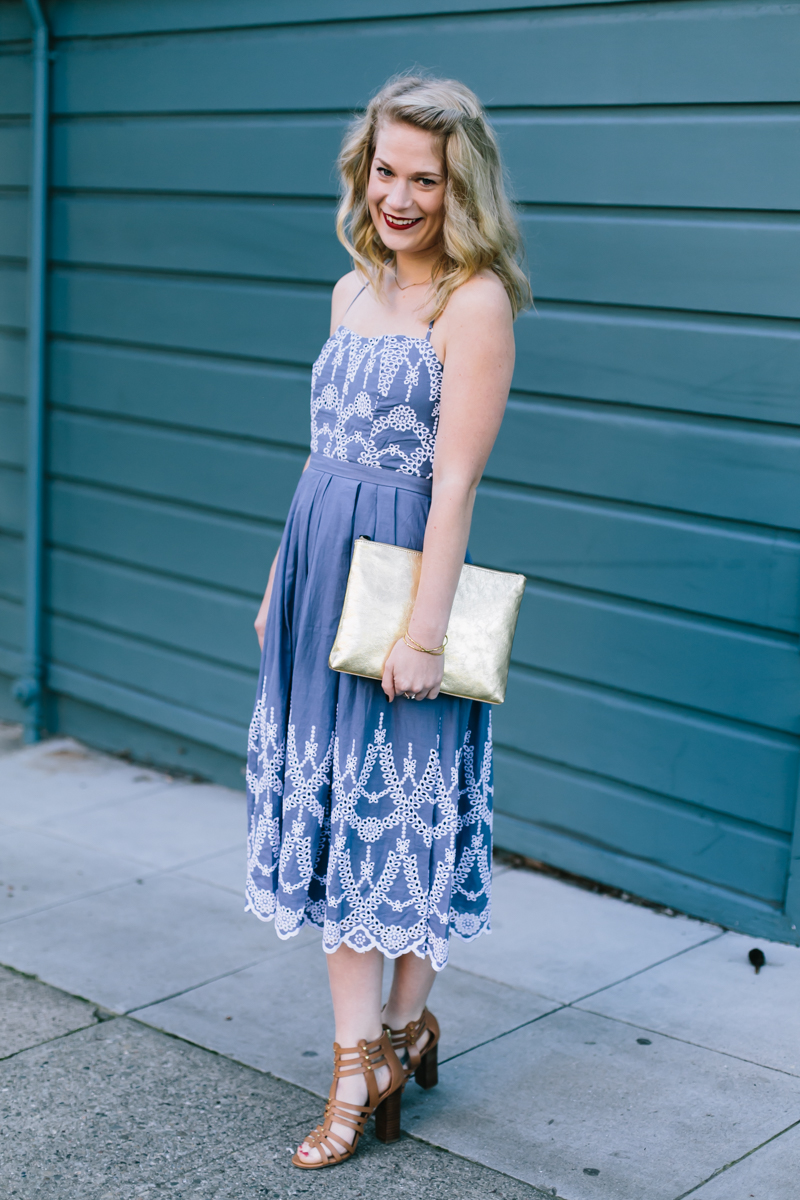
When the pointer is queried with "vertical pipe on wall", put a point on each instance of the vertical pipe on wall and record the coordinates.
(28, 689)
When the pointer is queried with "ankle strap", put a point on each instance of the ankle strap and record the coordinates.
(407, 1038)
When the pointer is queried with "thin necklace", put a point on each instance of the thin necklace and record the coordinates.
(409, 285)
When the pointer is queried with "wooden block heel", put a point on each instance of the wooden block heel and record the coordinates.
(387, 1118)
(364, 1059)
(427, 1073)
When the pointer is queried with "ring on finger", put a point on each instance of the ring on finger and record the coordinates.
(410, 695)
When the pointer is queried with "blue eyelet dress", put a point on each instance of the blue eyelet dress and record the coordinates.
(368, 819)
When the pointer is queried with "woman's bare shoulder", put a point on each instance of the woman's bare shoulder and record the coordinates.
(483, 298)
(344, 293)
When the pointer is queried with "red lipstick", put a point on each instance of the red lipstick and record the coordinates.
(401, 223)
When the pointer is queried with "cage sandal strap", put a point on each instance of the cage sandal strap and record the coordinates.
(423, 1064)
(364, 1059)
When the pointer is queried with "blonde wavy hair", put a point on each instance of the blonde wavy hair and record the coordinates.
(479, 231)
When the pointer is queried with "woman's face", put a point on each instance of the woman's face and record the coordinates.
(406, 186)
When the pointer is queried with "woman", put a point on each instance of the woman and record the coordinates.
(370, 803)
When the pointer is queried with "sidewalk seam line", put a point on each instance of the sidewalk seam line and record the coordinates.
(212, 979)
(58, 1037)
(505, 1033)
(735, 1162)
(686, 1042)
(193, 987)
(560, 1007)
(643, 970)
(147, 873)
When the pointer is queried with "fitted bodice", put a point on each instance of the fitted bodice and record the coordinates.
(375, 401)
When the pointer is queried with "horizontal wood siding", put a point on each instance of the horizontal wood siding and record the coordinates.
(15, 92)
(647, 476)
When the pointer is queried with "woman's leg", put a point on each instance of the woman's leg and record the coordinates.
(411, 983)
(355, 981)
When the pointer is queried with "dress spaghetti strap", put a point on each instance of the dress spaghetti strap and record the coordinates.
(352, 302)
(428, 334)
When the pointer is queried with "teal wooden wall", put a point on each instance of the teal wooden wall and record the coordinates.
(647, 478)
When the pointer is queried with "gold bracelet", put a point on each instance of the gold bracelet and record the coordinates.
(412, 645)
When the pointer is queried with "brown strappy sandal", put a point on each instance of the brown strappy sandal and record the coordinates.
(424, 1064)
(331, 1147)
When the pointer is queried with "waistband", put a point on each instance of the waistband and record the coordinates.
(382, 476)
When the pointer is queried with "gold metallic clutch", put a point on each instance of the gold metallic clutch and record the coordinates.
(378, 603)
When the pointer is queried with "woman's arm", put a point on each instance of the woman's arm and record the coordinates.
(345, 291)
(477, 376)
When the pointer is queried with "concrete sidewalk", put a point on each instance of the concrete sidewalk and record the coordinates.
(592, 1049)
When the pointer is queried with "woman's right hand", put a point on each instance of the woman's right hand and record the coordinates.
(260, 622)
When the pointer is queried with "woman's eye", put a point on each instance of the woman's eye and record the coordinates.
(384, 171)
(428, 182)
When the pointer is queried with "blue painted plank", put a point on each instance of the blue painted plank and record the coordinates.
(279, 239)
(232, 475)
(253, 154)
(730, 671)
(719, 263)
(11, 667)
(732, 159)
(150, 710)
(718, 765)
(737, 573)
(97, 17)
(735, 672)
(666, 259)
(14, 154)
(209, 622)
(148, 740)
(680, 892)
(205, 687)
(12, 624)
(642, 461)
(739, 367)
(15, 24)
(12, 433)
(13, 225)
(203, 393)
(740, 470)
(12, 364)
(12, 500)
(623, 820)
(733, 769)
(12, 564)
(13, 287)
(697, 158)
(15, 81)
(181, 542)
(662, 54)
(732, 367)
(286, 324)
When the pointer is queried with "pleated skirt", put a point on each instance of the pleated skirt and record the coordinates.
(368, 819)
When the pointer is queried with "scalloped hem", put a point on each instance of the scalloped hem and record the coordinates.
(420, 948)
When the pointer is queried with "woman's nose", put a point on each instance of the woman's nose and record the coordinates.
(400, 195)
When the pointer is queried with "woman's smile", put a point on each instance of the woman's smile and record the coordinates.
(400, 222)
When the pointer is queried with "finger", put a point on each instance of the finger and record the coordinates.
(387, 683)
(421, 695)
(434, 692)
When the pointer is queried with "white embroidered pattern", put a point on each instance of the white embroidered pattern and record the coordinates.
(436, 822)
(350, 424)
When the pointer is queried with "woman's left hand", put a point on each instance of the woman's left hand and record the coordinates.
(412, 673)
